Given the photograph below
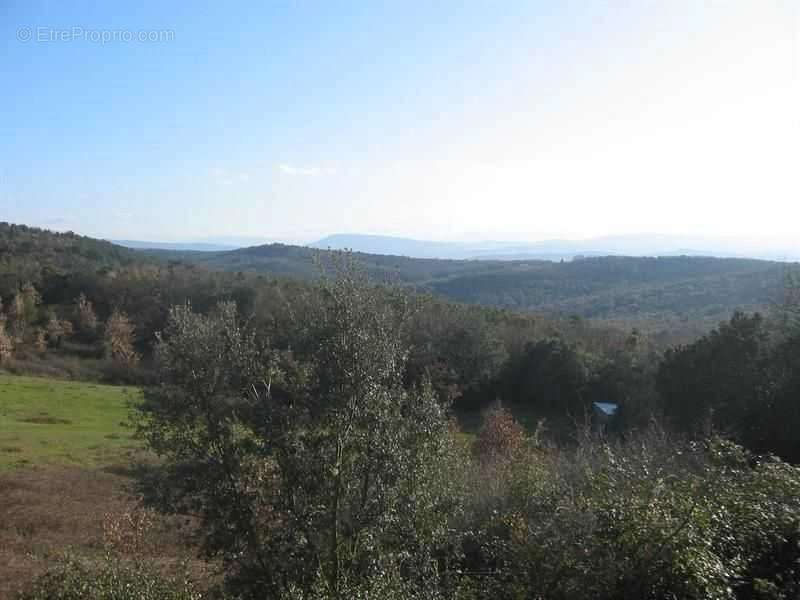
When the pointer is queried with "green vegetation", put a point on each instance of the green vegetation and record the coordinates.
(46, 421)
(314, 430)
(660, 292)
(345, 447)
(321, 474)
(743, 378)
(112, 579)
(26, 253)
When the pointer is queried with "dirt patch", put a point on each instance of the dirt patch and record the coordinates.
(45, 512)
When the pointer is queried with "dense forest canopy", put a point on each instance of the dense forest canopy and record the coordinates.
(689, 294)
(663, 291)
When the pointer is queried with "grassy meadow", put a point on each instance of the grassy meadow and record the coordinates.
(51, 422)
(66, 458)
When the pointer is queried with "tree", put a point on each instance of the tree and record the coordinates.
(501, 437)
(85, 317)
(6, 343)
(119, 335)
(23, 310)
(456, 348)
(57, 330)
(714, 382)
(549, 376)
(40, 340)
(774, 423)
(313, 474)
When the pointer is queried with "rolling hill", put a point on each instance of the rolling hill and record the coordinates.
(655, 290)
(609, 287)
(558, 249)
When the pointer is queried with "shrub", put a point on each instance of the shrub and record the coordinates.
(500, 437)
(647, 519)
(112, 579)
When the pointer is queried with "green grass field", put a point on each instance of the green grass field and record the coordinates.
(53, 422)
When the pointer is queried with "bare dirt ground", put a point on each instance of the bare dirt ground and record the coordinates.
(45, 512)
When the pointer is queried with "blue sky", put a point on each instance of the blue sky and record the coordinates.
(293, 119)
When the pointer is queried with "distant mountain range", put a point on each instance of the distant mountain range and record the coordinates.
(189, 246)
(628, 245)
(552, 250)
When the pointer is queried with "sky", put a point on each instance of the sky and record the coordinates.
(293, 119)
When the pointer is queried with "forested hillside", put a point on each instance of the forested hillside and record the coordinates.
(675, 296)
(664, 290)
(95, 314)
(29, 254)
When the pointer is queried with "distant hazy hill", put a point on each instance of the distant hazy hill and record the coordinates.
(623, 245)
(379, 244)
(617, 287)
(192, 246)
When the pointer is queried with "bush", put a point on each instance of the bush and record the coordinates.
(648, 519)
(111, 580)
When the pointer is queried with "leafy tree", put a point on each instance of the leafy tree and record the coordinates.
(549, 376)
(6, 343)
(23, 310)
(118, 336)
(626, 376)
(57, 330)
(313, 474)
(714, 382)
(456, 348)
(500, 436)
(85, 317)
(774, 423)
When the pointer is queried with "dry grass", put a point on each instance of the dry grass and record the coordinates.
(45, 512)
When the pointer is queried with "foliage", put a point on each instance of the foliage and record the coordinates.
(713, 382)
(740, 380)
(548, 374)
(661, 290)
(647, 519)
(118, 339)
(28, 254)
(311, 472)
(23, 310)
(85, 317)
(57, 330)
(112, 579)
(6, 343)
(500, 437)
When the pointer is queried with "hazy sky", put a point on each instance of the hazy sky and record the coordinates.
(293, 119)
